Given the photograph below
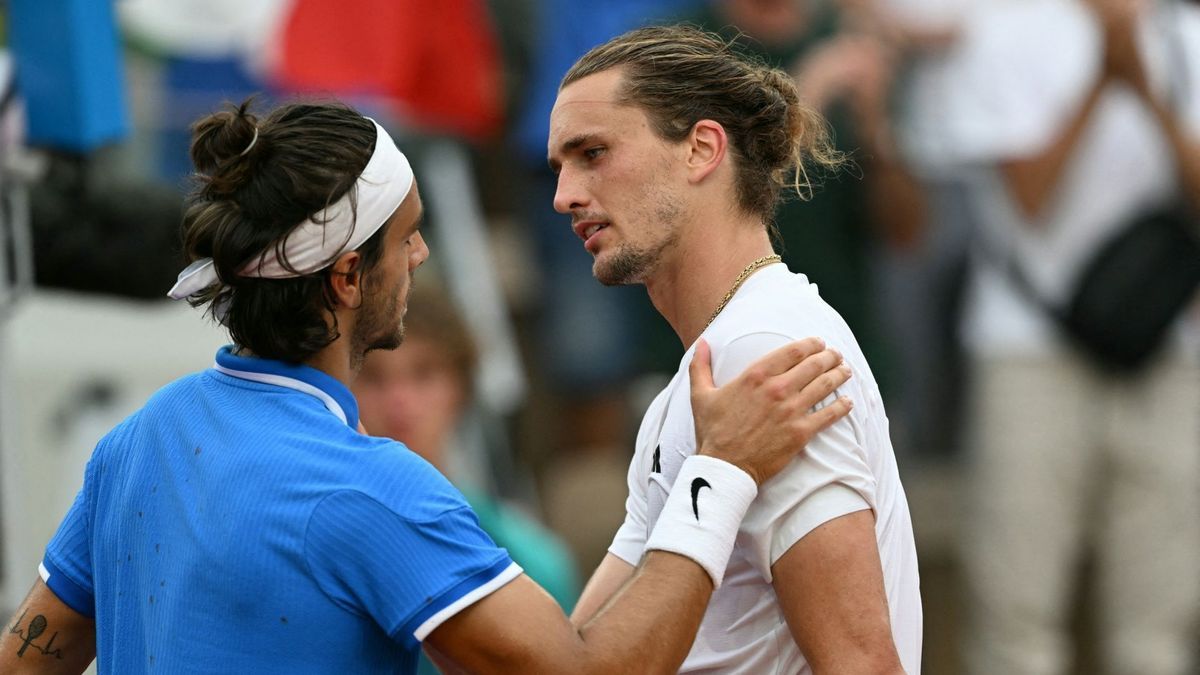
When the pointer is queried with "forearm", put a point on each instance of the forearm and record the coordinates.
(649, 625)
(895, 199)
(1184, 148)
(651, 620)
(612, 574)
(46, 637)
(1032, 181)
(656, 613)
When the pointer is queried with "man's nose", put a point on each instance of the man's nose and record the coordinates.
(422, 251)
(568, 196)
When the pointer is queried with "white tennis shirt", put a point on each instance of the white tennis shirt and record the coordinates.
(848, 468)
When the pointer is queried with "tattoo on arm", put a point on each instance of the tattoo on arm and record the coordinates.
(35, 629)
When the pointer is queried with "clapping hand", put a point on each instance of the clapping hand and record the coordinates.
(1119, 20)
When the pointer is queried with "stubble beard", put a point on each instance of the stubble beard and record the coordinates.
(630, 265)
(379, 326)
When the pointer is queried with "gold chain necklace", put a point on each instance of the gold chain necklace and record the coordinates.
(737, 283)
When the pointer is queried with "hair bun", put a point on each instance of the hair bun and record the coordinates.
(223, 147)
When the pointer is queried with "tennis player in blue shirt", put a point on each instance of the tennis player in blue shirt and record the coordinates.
(240, 522)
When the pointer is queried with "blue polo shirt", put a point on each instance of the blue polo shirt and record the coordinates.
(238, 523)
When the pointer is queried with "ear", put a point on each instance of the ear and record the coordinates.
(346, 280)
(707, 144)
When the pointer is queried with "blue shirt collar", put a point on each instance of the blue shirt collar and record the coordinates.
(325, 388)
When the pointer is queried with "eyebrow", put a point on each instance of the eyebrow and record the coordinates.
(568, 146)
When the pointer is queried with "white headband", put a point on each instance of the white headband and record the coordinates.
(314, 244)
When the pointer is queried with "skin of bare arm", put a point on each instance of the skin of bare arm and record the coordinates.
(830, 586)
(646, 628)
(46, 637)
(603, 586)
(1032, 181)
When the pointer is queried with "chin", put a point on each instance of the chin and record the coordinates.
(389, 343)
(386, 342)
(621, 268)
(602, 275)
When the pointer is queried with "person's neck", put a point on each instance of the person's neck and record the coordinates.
(336, 359)
(690, 285)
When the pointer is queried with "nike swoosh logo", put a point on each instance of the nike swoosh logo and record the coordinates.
(698, 483)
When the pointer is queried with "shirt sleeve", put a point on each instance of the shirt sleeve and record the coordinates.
(630, 541)
(66, 567)
(831, 478)
(408, 575)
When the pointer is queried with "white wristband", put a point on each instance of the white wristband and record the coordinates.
(703, 513)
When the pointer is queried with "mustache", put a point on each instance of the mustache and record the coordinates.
(578, 216)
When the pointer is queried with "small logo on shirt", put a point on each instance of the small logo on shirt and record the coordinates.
(698, 483)
(655, 467)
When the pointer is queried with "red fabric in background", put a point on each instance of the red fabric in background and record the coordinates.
(437, 59)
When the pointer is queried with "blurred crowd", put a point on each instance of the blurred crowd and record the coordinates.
(995, 147)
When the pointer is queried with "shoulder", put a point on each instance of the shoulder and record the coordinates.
(382, 498)
(779, 308)
(773, 301)
(399, 479)
(535, 548)
(167, 402)
(181, 388)
(174, 400)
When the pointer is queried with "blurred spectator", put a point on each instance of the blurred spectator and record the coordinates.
(922, 286)
(420, 395)
(1080, 116)
(845, 65)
